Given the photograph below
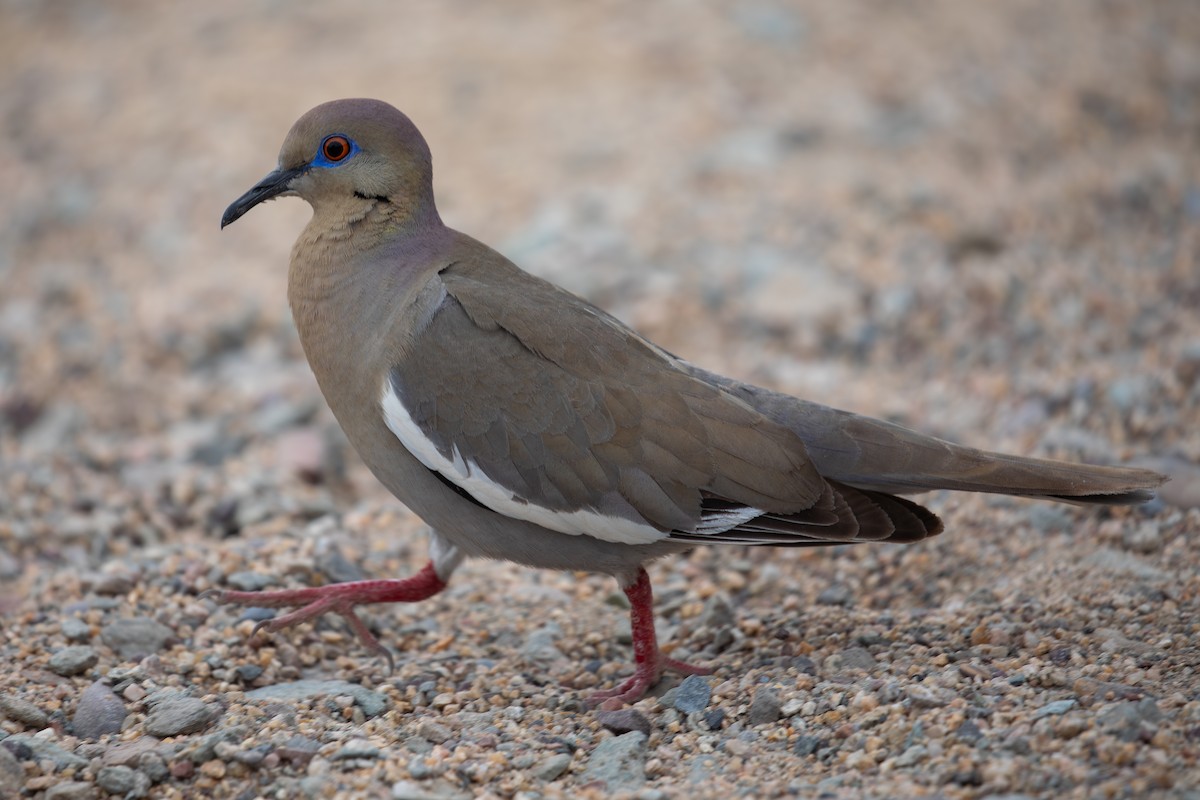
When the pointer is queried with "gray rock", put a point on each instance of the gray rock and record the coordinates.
(923, 696)
(75, 629)
(435, 732)
(111, 584)
(717, 613)
(178, 715)
(315, 787)
(836, 595)
(1113, 641)
(248, 673)
(552, 767)
(43, 750)
(372, 703)
(540, 644)
(1054, 708)
(128, 753)
(619, 763)
(12, 774)
(850, 658)
(1117, 562)
(765, 708)
(153, 766)
(807, 744)
(72, 790)
(1048, 518)
(692, 695)
(1145, 538)
(408, 790)
(298, 749)
(73, 660)
(136, 637)
(21, 710)
(968, 731)
(911, 756)
(420, 769)
(337, 568)
(356, 748)
(99, 712)
(249, 581)
(123, 781)
(224, 740)
(623, 721)
(1131, 720)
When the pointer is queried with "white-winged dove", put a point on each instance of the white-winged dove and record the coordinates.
(523, 423)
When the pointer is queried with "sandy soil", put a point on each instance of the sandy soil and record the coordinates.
(980, 220)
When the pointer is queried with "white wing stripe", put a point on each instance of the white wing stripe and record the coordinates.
(714, 522)
(466, 474)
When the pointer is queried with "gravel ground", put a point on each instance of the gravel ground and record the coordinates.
(982, 220)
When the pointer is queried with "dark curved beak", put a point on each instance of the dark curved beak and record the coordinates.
(273, 185)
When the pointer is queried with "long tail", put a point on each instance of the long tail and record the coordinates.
(879, 456)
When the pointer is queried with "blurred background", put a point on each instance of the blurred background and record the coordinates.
(981, 220)
(875, 205)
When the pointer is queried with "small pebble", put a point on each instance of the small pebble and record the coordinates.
(136, 637)
(692, 695)
(356, 748)
(371, 702)
(717, 613)
(540, 644)
(928, 696)
(806, 745)
(248, 581)
(1056, 707)
(624, 720)
(552, 767)
(123, 781)
(71, 790)
(73, 660)
(178, 715)
(765, 708)
(75, 629)
(98, 713)
(248, 673)
(421, 768)
(836, 595)
(911, 756)
(619, 763)
(1131, 720)
(153, 766)
(21, 710)
(12, 774)
(1145, 538)
(434, 731)
(113, 584)
(852, 658)
(40, 749)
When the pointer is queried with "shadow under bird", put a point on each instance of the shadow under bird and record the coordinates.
(523, 423)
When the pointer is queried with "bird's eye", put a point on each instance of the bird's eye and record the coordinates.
(335, 148)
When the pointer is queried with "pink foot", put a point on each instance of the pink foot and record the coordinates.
(337, 598)
(649, 661)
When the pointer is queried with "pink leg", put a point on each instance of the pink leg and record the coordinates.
(648, 660)
(338, 598)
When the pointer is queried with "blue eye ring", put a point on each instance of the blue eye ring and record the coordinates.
(335, 149)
